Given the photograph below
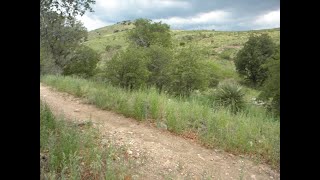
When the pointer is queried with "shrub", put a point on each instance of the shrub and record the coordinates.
(83, 62)
(271, 87)
(182, 43)
(252, 56)
(149, 33)
(159, 59)
(187, 72)
(128, 68)
(229, 95)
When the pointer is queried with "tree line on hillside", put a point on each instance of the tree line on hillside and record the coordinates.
(150, 60)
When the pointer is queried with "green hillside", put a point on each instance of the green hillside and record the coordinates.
(217, 46)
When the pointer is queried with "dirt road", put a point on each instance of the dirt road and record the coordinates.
(161, 154)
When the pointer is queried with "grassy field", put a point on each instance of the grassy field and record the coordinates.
(70, 152)
(219, 47)
(252, 132)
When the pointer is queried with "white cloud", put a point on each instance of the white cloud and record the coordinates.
(187, 14)
(92, 23)
(118, 6)
(212, 17)
(268, 20)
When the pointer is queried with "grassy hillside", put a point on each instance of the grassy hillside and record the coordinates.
(217, 46)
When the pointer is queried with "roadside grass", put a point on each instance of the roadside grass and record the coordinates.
(70, 152)
(252, 132)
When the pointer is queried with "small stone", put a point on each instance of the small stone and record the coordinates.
(253, 176)
(170, 170)
(211, 159)
(76, 110)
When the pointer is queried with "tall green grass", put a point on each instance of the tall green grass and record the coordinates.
(250, 132)
(70, 153)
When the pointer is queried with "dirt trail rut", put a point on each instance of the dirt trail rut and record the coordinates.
(161, 154)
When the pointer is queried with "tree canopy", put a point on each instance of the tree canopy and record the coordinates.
(147, 33)
(252, 56)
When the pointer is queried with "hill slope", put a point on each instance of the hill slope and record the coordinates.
(218, 46)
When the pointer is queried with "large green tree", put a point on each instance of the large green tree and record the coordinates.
(159, 60)
(61, 37)
(60, 32)
(128, 68)
(148, 33)
(66, 8)
(252, 56)
(188, 72)
(82, 63)
(271, 87)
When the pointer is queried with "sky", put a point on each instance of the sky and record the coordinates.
(222, 15)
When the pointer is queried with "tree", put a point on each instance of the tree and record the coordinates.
(82, 63)
(252, 56)
(187, 72)
(147, 33)
(60, 33)
(67, 8)
(128, 68)
(61, 37)
(271, 87)
(159, 60)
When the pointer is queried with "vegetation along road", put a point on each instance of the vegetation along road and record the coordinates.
(160, 154)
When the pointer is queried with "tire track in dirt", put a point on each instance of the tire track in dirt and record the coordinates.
(159, 153)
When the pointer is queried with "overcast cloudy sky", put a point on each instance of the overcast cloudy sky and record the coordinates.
(226, 15)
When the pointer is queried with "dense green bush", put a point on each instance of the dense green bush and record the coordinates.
(252, 56)
(83, 62)
(230, 95)
(159, 60)
(47, 63)
(271, 87)
(147, 33)
(188, 72)
(128, 68)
